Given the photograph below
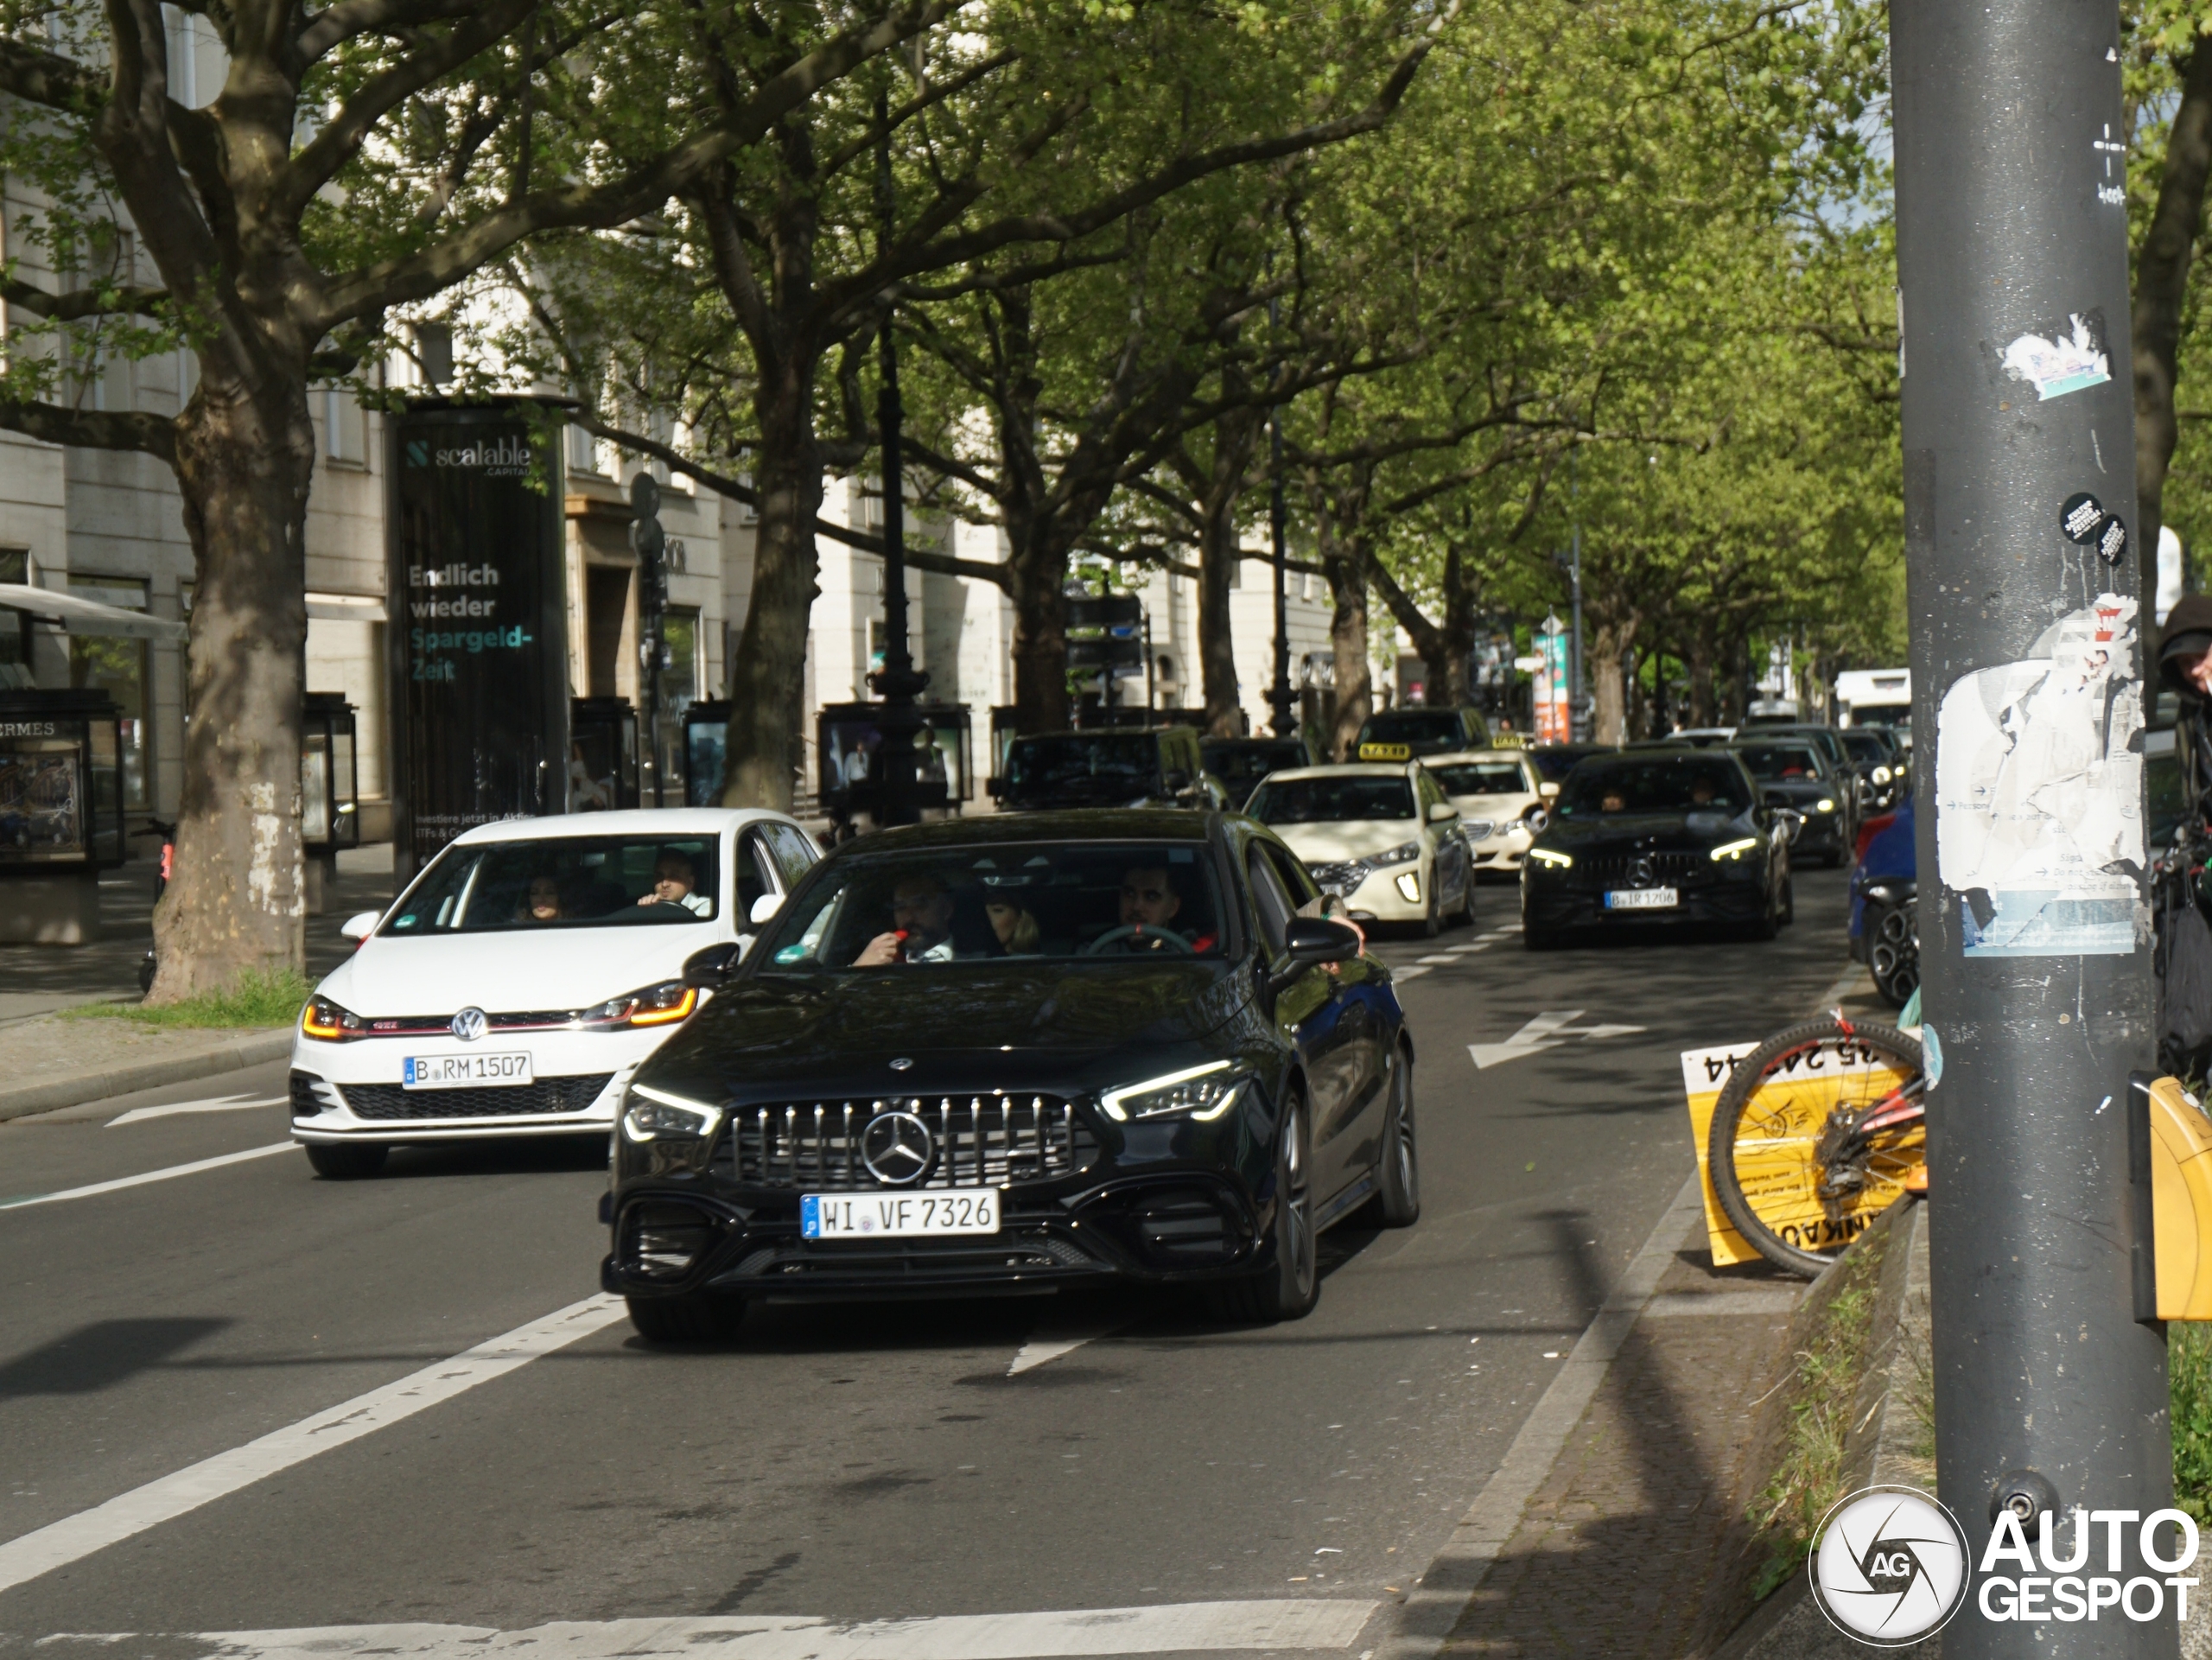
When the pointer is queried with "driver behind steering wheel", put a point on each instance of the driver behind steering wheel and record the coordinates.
(1150, 904)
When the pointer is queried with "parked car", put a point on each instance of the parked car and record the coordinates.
(1884, 925)
(1151, 766)
(1409, 734)
(1792, 772)
(1502, 800)
(524, 975)
(1657, 839)
(1241, 763)
(1110, 1046)
(1383, 839)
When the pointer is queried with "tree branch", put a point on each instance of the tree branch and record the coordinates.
(149, 435)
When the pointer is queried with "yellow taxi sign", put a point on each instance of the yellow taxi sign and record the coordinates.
(1386, 752)
(1508, 741)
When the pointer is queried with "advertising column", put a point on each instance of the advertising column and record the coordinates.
(477, 638)
(1553, 713)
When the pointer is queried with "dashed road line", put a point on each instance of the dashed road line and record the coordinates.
(216, 1104)
(122, 1182)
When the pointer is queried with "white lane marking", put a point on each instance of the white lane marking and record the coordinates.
(1413, 973)
(1441, 956)
(1428, 1615)
(1049, 1343)
(214, 1103)
(74, 1537)
(1172, 1628)
(1547, 1031)
(121, 1182)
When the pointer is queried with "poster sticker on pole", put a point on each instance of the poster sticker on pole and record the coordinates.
(2038, 793)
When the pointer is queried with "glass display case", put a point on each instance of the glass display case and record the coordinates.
(603, 754)
(330, 817)
(706, 752)
(60, 780)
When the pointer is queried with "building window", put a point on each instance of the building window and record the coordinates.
(118, 667)
(584, 453)
(15, 674)
(345, 427)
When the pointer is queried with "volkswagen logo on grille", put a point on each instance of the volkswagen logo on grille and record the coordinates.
(470, 1025)
(904, 1062)
(1642, 873)
(897, 1147)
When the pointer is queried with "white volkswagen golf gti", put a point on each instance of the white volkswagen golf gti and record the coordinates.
(524, 974)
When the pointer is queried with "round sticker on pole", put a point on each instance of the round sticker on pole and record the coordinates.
(2083, 521)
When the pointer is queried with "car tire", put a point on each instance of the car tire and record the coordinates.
(1533, 938)
(347, 1161)
(696, 1317)
(1397, 1203)
(1465, 916)
(1433, 924)
(1789, 899)
(1290, 1285)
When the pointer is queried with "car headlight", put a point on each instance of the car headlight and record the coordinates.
(1551, 860)
(1735, 849)
(652, 1115)
(661, 1005)
(1881, 775)
(1404, 854)
(1825, 803)
(325, 1020)
(1480, 830)
(1200, 1093)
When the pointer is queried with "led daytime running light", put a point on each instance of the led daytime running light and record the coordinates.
(1111, 1101)
(663, 1114)
(1735, 849)
(1548, 856)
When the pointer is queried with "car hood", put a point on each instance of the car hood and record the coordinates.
(1347, 839)
(1655, 831)
(508, 973)
(987, 1026)
(1499, 808)
(1799, 789)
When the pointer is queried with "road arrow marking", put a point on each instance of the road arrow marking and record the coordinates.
(1548, 1031)
(221, 1104)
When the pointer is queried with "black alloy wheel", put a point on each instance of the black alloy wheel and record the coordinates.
(1433, 924)
(1290, 1285)
(1893, 951)
(1466, 913)
(347, 1161)
(694, 1317)
(1788, 899)
(1397, 1203)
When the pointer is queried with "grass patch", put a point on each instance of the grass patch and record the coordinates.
(2189, 1381)
(1822, 1385)
(255, 998)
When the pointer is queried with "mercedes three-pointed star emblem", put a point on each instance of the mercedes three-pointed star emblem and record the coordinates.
(898, 1148)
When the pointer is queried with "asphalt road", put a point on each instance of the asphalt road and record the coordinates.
(846, 1464)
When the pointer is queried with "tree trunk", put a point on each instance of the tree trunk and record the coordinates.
(1348, 648)
(236, 901)
(1220, 552)
(1702, 712)
(1608, 687)
(1038, 564)
(2161, 289)
(767, 679)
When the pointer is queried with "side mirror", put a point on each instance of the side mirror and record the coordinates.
(1537, 818)
(764, 908)
(1549, 792)
(1311, 941)
(1774, 798)
(359, 927)
(1440, 811)
(705, 969)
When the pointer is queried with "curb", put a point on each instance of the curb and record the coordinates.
(233, 1054)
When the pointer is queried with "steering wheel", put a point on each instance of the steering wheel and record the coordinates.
(1138, 931)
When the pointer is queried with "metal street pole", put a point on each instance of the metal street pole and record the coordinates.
(898, 682)
(1577, 714)
(1280, 698)
(2019, 468)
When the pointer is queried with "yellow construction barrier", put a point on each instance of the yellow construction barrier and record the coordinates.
(2181, 1201)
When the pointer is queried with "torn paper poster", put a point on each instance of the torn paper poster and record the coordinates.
(2073, 359)
(2039, 796)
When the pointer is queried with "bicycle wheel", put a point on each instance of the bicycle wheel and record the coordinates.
(1792, 1175)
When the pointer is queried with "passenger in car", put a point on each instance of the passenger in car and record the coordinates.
(542, 903)
(1150, 901)
(921, 927)
(1017, 930)
(675, 882)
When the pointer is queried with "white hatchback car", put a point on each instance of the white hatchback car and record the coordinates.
(525, 973)
(1382, 836)
(1503, 802)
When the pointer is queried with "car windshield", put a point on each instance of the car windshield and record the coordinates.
(1343, 799)
(1105, 901)
(1694, 783)
(569, 881)
(1781, 763)
(1868, 747)
(1481, 777)
(1242, 765)
(1123, 762)
(1554, 765)
(1412, 726)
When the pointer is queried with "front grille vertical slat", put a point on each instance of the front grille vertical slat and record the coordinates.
(981, 1139)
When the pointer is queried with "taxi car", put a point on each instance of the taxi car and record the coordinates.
(1385, 839)
(520, 981)
(1502, 801)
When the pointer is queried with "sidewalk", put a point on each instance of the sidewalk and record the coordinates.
(49, 1064)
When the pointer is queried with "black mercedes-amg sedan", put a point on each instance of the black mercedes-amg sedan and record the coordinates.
(1794, 771)
(1015, 1055)
(1654, 838)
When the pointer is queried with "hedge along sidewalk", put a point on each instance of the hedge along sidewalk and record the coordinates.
(50, 1063)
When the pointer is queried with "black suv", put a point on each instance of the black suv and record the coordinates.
(1156, 767)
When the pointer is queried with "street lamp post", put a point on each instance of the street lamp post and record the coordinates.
(1280, 698)
(898, 682)
(2027, 679)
